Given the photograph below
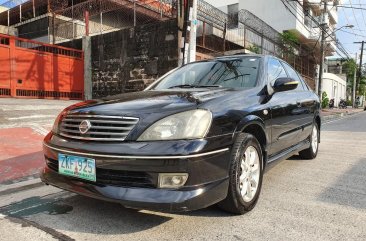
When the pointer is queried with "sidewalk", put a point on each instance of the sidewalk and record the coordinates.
(23, 125)
(335, 113)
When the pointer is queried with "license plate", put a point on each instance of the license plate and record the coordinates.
(75, 166)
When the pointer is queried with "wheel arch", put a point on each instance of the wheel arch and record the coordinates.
(255, 126)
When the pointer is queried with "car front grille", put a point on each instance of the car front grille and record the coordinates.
(111, 177)
(102, 128)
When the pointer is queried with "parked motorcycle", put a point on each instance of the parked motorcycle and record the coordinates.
(358, 103)
(342, 104)
(331, 104)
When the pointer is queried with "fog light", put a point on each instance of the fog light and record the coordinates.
(172, 180)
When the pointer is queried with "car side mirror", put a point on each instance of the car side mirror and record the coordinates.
(284, 84)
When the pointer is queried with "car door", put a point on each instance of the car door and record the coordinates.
(305, 103)
(284, 111)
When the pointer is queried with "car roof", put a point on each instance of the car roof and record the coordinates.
(241, 55)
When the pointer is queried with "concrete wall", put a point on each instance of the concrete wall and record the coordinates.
(272, 12)
(335, 87)
(130, 59)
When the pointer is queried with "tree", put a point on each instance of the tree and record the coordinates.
(350, 68)
(255, 49)
(325, 100)
(289, 40)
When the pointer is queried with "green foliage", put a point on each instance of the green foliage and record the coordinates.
(350, 68)
(289, 38)
(362, 87)
(349, 102)
(255, 49)
(325, 100)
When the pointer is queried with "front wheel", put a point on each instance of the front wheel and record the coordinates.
(245, 175)
(312, 151)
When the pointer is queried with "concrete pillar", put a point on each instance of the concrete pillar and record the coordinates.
(88, 94)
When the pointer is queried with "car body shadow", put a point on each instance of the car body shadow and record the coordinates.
(69, 212)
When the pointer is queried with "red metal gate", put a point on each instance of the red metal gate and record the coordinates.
(31, 69)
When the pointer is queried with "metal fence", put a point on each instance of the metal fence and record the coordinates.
(94, 17)
(64, 20)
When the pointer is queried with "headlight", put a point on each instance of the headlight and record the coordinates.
(56, 124)
(192, 124)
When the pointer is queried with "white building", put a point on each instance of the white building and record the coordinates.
(301, 17)
(334, 86)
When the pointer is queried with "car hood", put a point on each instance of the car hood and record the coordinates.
(145, 102)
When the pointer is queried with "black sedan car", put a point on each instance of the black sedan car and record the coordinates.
(200, 135)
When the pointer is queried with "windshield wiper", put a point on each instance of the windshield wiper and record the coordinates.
(194, 86)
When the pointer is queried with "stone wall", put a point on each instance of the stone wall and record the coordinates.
(130, 59)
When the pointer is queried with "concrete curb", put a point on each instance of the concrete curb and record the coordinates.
(20, 186)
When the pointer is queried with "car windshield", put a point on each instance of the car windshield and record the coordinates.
(238, 72)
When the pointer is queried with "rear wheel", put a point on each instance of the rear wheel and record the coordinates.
(312, 151)
(245, 175)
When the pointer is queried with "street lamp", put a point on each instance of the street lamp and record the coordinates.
(323, 38)
(337, 29)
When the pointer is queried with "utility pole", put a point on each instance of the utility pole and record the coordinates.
(359, 73)
(354, 85)
(193, 32)
(322, 43)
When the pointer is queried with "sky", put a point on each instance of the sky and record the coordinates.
(356, 17)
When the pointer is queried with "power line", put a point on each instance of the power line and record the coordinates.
(348, 22)
(354, 15)
(359, 35)
(341, 6)
(338, 45)
(351, 6)
(363, 16)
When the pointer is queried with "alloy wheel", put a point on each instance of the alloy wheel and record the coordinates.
(314, 139)
(249, 174)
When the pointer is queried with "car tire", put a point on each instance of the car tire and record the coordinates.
(245, 175)
(312, 151)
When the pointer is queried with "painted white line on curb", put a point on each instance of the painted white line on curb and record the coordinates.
(30, 117)
(39, 129)
(342, 118)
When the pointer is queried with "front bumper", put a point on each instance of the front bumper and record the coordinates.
(143, 198)
(207, 183)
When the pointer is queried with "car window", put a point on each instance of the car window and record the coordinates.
(227, 72)
(293, 75)
(275, 70)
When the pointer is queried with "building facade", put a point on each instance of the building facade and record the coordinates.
(301, 17)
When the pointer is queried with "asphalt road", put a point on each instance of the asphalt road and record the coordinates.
(321, 199)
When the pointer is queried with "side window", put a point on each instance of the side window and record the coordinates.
(275, 70)
(293, 75)
(306, 87)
